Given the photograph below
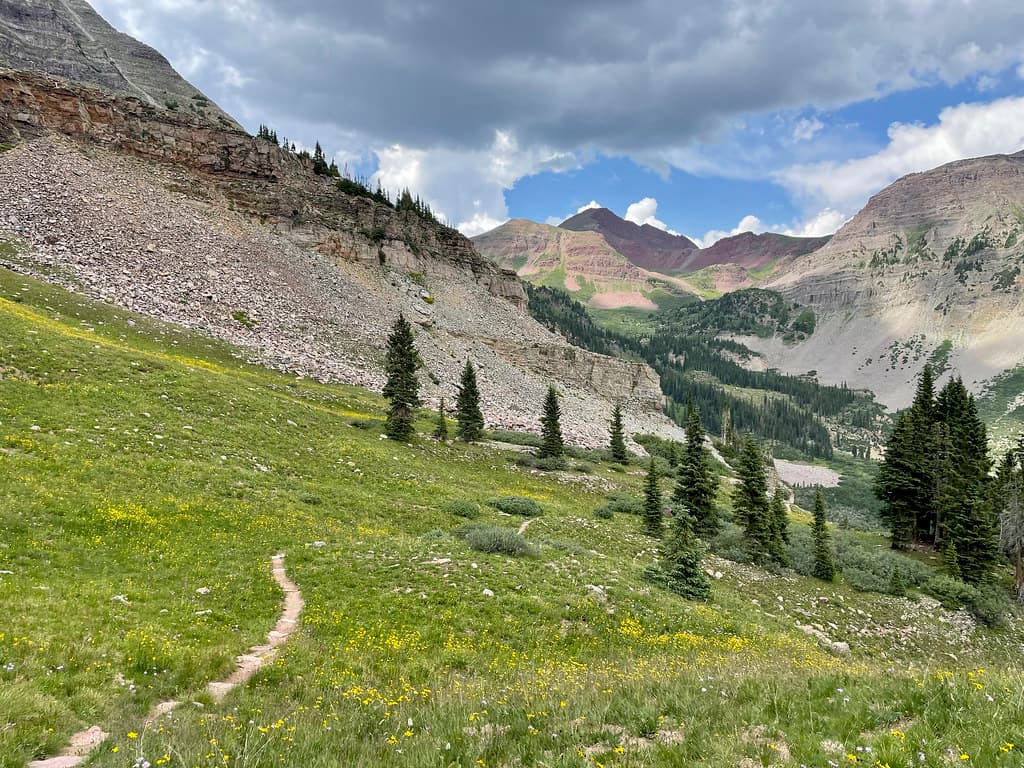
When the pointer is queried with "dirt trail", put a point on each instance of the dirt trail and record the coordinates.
(248, 664)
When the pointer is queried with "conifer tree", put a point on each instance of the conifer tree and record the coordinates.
(779, 528)
(652, 518)
(696, 483)
(552, 444)
(1011, 523)
(824, 563)
(469, 419)
(617, 440)
(951, 561)
(401, 388)
(441, 430)
(680, 557)
(750, 500)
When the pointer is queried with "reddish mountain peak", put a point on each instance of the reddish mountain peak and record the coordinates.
(646, 246)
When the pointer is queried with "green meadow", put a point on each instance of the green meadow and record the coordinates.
(147, 476)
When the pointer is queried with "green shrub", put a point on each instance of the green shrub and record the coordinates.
(515, 438)
(731, 543)
(952, 593)
(547, 464)
(990, 605)
(463, 508)
(604, 512)
(516, 505)
(583, 468)
(366, 424)
(490, 538)
(625, 504)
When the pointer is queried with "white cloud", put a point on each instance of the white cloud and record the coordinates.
(748, 223)
(592, 204)
(479, 224)
(805, 129)
(966, 130)
(645, 211)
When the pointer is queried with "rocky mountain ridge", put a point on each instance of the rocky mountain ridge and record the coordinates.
(646, 246)
(206, 226)
(70, 40)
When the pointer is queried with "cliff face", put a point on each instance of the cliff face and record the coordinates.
(70, 40)
(933, 261)
(257, 177)
(197, 224)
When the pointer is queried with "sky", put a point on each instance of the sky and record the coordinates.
(705, 118)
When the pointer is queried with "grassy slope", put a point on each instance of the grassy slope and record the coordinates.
(142, 462)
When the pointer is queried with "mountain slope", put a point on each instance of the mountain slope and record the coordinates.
(646, 246)
(581, 263)
(930, 268)
(70, 40)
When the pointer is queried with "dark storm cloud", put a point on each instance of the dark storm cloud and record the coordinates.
(621, 77)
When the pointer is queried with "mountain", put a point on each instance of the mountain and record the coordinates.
(68, 39)
(930, 269)
(582, 263)
(646, 246)
(180, 215)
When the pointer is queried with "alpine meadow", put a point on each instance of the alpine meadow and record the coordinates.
(379, 445)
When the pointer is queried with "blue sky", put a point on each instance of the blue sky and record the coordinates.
(730, 115)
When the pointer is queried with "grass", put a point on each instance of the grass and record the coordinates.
(140, 464)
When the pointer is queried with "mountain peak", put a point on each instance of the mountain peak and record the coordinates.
(644, 245)
(69, 39)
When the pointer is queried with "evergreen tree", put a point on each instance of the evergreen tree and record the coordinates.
(652, 517)
(824, 563)
(779, 528)
(750, 500)
(951, 561)
(441, 430)
(469, 419)
(1011, 522)
(552, 444)
(617, 443)
(680, 557)
(696, 482)
(401, 388)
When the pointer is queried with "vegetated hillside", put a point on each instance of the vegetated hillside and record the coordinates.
(931, 267)
(68, 39)
(646, 246)
(755, 251)
(694, 363)
(148, 477)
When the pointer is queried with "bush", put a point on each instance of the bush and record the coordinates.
(463, 508)
(731, 543)
(990, 604)
(494, 540)
(516, 505)
(367, 424)
(515, 438)
(583, 468)
(952, 593)
(604, 512)
(627, 505)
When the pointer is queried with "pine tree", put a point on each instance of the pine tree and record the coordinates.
(1011, 523)
(617, 440)
(552, 444)
(680, 557)
(824, 563)
(469, 419)
(750, 500)
(951, 561)
(652, 517)
(696, 482)
(441, 430)
(779, 528)
(401, 388)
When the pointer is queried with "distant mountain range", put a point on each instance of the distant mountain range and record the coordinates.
(608, 262)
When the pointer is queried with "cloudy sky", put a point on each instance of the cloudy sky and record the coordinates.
(705, 118)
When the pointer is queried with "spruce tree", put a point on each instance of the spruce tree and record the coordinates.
(617, 440)
(441, 430)
(652, 518)
(750, 500)
(680, 557)
(696, 482)
(779, 528)
(468, 417)
(824, 563)
(1011, 523)
(401, 388)
(552, 445)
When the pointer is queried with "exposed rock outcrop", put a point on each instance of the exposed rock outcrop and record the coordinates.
(70, 40)
(645, 246)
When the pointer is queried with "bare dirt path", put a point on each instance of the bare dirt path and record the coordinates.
(248, 664)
